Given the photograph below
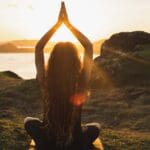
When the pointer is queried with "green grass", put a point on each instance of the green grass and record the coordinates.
(123, 113)
(145, 53)
(125, 140)
(13, 135)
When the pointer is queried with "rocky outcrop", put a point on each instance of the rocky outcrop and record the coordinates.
(124, 60)
(11, 74)
(125, 42)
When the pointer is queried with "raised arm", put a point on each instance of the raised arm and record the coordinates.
(39, 54)
(86, 43)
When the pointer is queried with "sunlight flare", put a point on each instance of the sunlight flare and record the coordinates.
(63, 34)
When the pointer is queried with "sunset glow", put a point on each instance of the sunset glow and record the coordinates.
(30, 19)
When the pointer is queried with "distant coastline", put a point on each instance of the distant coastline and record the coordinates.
(28, 46)
(21, 46)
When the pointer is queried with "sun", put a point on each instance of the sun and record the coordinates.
(63, 34)
(41, 18)
(31, 19)
(38, 17)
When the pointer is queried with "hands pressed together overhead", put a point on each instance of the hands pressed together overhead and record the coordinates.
(63, 16)
(85, 42)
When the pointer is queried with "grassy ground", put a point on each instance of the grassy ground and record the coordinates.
(145, 53)
(124, 114)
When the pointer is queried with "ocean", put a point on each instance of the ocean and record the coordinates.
(22, 64)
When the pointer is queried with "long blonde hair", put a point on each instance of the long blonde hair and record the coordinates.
(62, 82)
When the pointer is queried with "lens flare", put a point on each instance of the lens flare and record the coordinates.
(79, 98)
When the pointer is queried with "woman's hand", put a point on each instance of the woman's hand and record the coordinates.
(64, 14)
(39, 54)
(60, 16)
(86, 43)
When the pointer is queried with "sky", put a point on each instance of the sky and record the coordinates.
(97, 19)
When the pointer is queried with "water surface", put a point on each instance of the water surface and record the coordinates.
(20, 63)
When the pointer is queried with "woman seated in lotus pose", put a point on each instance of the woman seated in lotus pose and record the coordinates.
(64, 86)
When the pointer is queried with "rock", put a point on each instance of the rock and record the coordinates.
(11, 74)
(124, 60)
(125, 42)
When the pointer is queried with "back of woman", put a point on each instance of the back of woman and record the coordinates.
(64, 85)
(62, 116)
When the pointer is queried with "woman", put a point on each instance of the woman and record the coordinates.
(64, 86)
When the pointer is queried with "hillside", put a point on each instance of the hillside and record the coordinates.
(22, 46)
(8, 47)
(122, 112)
